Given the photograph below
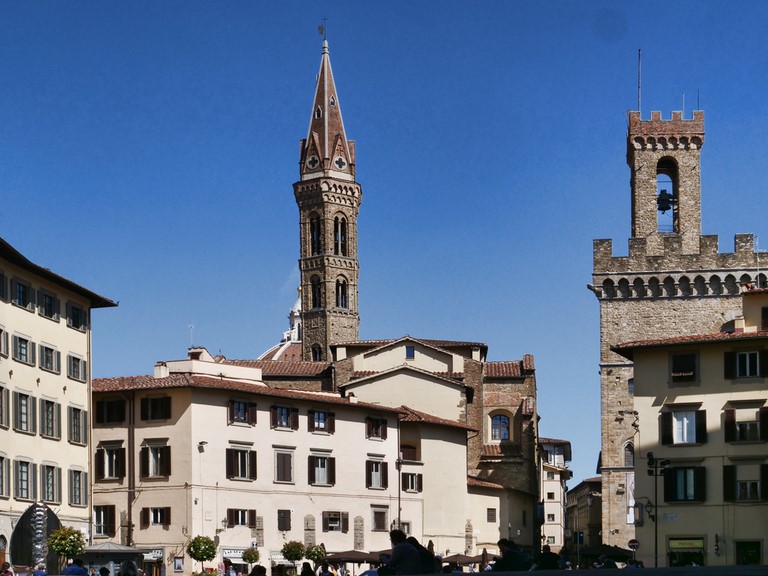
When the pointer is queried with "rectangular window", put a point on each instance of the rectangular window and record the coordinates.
(156, 408)
(550, 517)
(747, 364)
(76, 317)
(78, 488)
(3, 342)
(685, 484)
(319, 421)
(376, 474)
(683, 426)
(50, 359)
(747, 431)
(284, 466)
(5, 407)
(550, 539)
(22, 294)
(155, 461)
(684, 429)
(23, 350)
(322, 470)
(50, 419)
(550, 475)
(77, 368)
(490, 515)
(24, 413)
(376, 428)
(110, 411)
(241, 464)
(25, 476)
(336, 522)
(284, 418)
(104, 521)
(412, 482)
(110, 462)
(242, 412)
(683, 367)
(50, 483)
(241, 517)
(379, 522)
(550, 495)
(410, 352)
(155, 517)
(745, 482)
(284, 520)
(78, 425)
(631, 386)
(3, 286)
(48, 305)
(5, 476)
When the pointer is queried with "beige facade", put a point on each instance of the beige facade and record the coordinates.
(674, 281)
(555, 454)
(583, 532)
(702, 466)
(45, 359)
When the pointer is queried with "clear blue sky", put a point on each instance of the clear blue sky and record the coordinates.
(148, 151)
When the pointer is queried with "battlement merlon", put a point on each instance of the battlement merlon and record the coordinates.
(640, 261)
(676, 127)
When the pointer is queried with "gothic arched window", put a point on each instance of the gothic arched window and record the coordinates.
(315, 236)
(668, 218)
(629, 455)
(500, 427)
(340, 236)
(316, 293)
(341, 294)
(316, 353)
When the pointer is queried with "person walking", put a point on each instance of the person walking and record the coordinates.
(75, 569)
(405, 558)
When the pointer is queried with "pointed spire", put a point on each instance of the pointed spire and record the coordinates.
(326, 150)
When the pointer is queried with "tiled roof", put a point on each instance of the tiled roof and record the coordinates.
(435, 343)
(284, 352)
(450, 375)
(14, 256)
(625, 349)
(509, 368)
(410, 415)
(506, 449)
(473, 481)
(284, 367)
(552, 441)
(124, 383)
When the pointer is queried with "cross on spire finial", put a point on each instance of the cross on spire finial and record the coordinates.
(323, 28)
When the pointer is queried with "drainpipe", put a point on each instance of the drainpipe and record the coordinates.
(131, 457)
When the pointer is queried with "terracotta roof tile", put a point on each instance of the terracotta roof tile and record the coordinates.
(627, 347)
(449, 375)
(410, 415)
(285, 368)
(506, 369)
(431, 342)
(283, 352)
(504, 449)
(473, 481)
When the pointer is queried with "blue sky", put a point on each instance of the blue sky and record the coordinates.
(148, 152)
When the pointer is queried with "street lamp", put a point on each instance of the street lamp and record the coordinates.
(655, 469)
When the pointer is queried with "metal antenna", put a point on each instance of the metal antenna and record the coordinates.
(639, 78)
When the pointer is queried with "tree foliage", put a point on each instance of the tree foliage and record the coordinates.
(201, 548)
(293, 551)
(67, 541)
(315, 553)
(251, 556)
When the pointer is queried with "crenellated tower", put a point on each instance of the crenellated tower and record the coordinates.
(673, 282)
(329, 200)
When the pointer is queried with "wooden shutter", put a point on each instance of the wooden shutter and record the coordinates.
(33, 481)
(666, 428)
(71, 480)
(99, 463)
(670, 485)
(729, 424)
(763, 424)
(57, 362)
(368, 427)
(345, 522)
(729, 365)
(165, 461)
(231, 410)
(144, 462)
(165, 407)
(419, 484)
(167, 516)
(383, 429)
(120, 463)
(145, 408)
(251, 518)
(700, 483)
(729, 483)
(325, 522)
(252, 464)
(368, 473)
(33, 414)
(230, 517)
(331, 471)
(230, 463)
(57, 420)
(701, 426)
(311, 470)
(763, 368)
(330, 422)
(294, 418)
(84, 484)
(57, 491)
(384, 474)
(273, 416)
(100, 412)
(111, 525)
(764, 482)
(311, 420)
(764, 318)
(252, 413)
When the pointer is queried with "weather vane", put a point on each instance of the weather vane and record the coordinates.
(322, 28)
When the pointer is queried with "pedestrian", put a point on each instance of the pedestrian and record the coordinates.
(103, 571)
(258, 570)
(128, 568)
(75, 569)
(405, 558)
(427, 558)
(548, 560)
(6, 569)
(39, 570)
(306, 569)
(512, 558)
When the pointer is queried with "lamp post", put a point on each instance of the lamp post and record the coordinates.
(655, 469)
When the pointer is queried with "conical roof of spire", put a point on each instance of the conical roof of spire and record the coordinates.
(326, 150)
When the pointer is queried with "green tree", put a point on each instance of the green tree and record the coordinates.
(67, 542)
(201, 549)
(293, 551)
(251, 556)
(315, 553)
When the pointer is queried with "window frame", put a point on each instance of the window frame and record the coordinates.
(375, 428)
(283, 520)
(497, 431)
(5, 475)
(287, 457)
(110, 459)
(241, 411)
(54, 431)
(50, 483)
(320, 465)
(684, 484)
(23, 349)
(241, 463)
(106, 413)
(376, 474)
(77, 316)
(669, 432)
(24, 412)
(155, 516)
(155, 461)
(77, 427)
(412, 482)
(19, 286)
(156, 408)
(282, 417)
(379, 518)
(104, 517)
(42, 301)
(4, 346)
(241, 517)
(335, 521)
(683, 368)
(55, 357)
(321, 421)
(78, 495)
(77, 368)
(26, 488)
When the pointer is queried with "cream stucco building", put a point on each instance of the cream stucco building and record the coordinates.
(45, 360)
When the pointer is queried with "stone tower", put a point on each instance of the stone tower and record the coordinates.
(674, 282)
(329, 199)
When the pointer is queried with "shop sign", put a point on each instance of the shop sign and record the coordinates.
(686, 543)
(232, 552)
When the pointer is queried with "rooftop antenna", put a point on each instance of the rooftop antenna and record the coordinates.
(322, 29)
(191, 335)
(639, 78)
